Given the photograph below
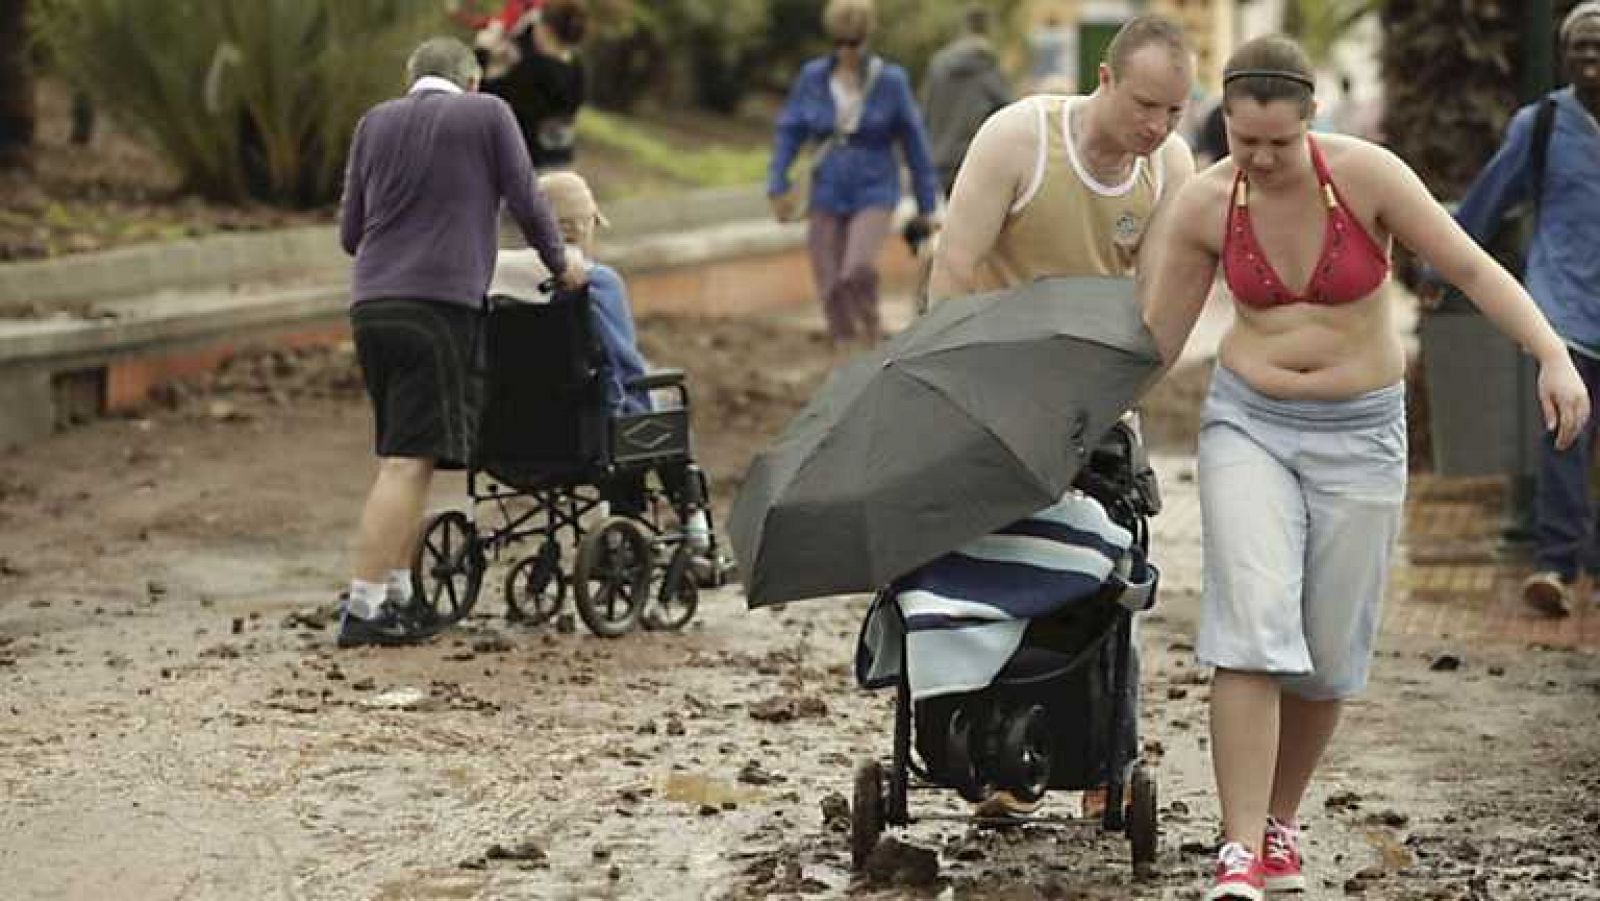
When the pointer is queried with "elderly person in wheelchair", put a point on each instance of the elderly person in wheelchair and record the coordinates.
(573, 441)
(626, 374)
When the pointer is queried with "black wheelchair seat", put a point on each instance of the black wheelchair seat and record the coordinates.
(546, 420)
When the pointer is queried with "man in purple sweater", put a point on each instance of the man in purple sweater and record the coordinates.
(426, 177)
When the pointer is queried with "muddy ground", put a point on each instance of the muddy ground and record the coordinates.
(178, 724)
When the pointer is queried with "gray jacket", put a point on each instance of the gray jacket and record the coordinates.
(962, 88)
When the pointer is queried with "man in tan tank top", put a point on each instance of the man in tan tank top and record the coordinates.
(1058, 185)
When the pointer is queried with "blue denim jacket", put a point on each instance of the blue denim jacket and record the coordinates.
(1563, 270)
(860, 172)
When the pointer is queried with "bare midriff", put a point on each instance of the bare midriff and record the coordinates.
(1311, 352)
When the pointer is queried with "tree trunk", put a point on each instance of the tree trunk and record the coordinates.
(16, 85)
(1451, 72)
(1450, 85)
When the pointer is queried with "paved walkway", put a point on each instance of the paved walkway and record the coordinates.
(1456, 580)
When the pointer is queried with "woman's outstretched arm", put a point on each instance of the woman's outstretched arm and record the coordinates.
(1411, 214)
(1176, 267)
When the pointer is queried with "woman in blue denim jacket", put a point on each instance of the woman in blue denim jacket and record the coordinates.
(851, 107)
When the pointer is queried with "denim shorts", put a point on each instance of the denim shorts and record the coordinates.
(1300, 505)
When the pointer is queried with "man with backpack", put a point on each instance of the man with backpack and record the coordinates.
(1551, 158)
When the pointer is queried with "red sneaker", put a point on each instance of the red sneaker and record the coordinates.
(1240, 876)
(1282, 859)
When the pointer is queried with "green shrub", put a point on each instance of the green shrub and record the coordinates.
(249, 98)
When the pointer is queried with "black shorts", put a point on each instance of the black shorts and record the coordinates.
(421, 362)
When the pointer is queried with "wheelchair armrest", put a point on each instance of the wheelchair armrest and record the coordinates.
(660, 378)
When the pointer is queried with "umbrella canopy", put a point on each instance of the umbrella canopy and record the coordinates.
(978, 414)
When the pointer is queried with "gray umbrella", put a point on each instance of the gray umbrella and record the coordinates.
(978, 414)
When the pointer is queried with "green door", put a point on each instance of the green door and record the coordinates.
(1093, 38)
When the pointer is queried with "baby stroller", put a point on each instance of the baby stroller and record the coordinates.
(550, 457)
(1060, 714)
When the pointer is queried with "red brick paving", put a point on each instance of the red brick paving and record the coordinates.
(1452, 581)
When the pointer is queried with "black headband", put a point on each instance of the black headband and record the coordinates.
(1295, 77)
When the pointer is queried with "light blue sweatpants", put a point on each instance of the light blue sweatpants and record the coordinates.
(1300, 505)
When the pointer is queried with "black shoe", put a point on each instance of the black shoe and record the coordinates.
(389, 629)
(1548, 593)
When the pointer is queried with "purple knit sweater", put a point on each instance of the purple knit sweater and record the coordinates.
(422, 197)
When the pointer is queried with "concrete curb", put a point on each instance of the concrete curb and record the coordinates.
(155, 323)
(692, 210)
(174, 266)
(166, 310)
(648, 232)
(139, 277)
(671, 250)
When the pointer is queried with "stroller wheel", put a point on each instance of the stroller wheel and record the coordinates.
(535, 587)
(1024, 754)
(611, 578)
(678, 597)
(446, 570)
(962, 735)
(866, 813)
(1142, 830)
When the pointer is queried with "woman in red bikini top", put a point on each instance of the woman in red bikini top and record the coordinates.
(1349, 267)
(1301, 459)
(1299, 226)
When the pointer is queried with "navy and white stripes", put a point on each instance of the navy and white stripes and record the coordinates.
(965, 613)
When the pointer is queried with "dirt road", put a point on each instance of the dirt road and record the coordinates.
(176, 725)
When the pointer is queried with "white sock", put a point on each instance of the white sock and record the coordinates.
(398, 588)
(366, 599)
(699, 531)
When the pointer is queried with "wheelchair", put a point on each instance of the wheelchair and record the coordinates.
(1062, 713)
(550, 461)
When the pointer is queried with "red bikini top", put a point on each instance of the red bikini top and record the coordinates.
(1351, 266)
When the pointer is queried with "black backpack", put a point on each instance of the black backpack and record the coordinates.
(1544, 124)
(1510, 241)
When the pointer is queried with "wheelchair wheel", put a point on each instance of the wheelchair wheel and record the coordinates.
(535, 587)
(961, 762)
(446, 570)
(678, 597)
(611, 578)
(866, 813)
(1142, 830)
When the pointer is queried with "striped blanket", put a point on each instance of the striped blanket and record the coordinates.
(962, 616)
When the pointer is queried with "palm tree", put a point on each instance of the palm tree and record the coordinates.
(1319, 25)
(16, 85)
(1451, 71)
(247, 98)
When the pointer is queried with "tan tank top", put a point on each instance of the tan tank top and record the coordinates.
(1066, 223)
